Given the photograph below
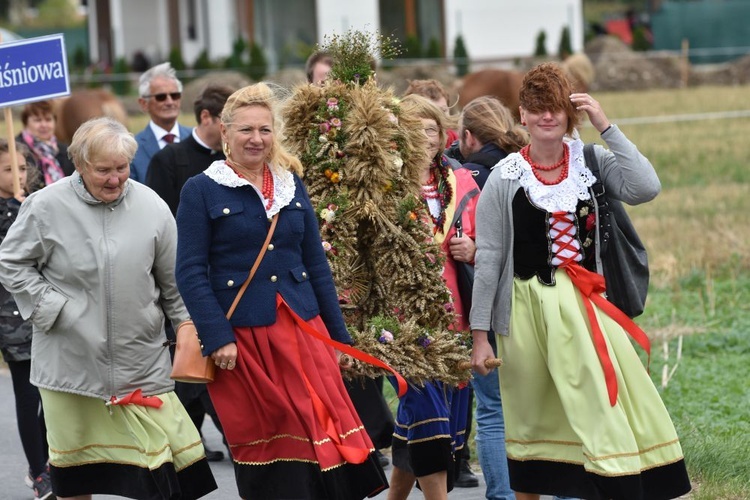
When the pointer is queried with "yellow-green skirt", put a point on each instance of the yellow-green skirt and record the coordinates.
(132, 451)
(563, 437)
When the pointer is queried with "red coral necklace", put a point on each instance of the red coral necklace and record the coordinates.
(430, 189)
(267, 186)
(537, 168)
(267, 190)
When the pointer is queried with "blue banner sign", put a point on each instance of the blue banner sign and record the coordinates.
(32, 70)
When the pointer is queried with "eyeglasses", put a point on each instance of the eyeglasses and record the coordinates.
(163, 97)
(431, 132)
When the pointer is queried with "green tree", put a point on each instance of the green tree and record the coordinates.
(257, 68)
(80, 59)
(202, 62)
(236, 59)
(176, 60)
(94, 82)
(461, 57)
(541, 44)
(433, 49)
(412, 48)
(565, 49)
(121, 86)
(178, 63)
(640, 40)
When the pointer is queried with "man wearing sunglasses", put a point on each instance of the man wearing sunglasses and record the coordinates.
(160, 93)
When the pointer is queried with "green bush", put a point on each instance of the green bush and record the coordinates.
(122, 85)
(202, 62)
(565, 49)
(640, 41)
(236, 60)
(541, 45)
(461, 57)
(258, 66)
(412, 48)
(93, 81)
(433, 49)
(80, 59)
(176, 60)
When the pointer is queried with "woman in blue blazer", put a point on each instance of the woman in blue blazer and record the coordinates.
(291, 427)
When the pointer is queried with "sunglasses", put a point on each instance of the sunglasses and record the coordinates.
(163, 97)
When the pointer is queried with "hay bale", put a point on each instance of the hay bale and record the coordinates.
(618, 67)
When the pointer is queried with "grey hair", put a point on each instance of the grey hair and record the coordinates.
(100, 138)
(163, 70)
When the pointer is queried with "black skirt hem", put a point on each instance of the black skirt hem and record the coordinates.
(305, 481)
(131, 481)
(425, 458)
(572, 480)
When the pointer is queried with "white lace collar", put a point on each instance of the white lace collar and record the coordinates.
(561, 197)
(283, 183)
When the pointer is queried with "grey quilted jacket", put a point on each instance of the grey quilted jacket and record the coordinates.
(95, 279)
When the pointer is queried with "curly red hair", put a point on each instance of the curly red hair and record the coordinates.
(546, 88)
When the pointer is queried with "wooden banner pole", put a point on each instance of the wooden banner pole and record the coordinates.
(12, 152)
(17, 192)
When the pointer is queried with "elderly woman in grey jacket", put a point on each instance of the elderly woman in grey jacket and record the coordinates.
(90, 260)
(583, 418)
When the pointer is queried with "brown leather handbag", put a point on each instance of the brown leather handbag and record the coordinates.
(189, 363)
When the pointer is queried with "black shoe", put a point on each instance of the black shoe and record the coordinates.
(384, 462)
(213, 456)
(465, 477)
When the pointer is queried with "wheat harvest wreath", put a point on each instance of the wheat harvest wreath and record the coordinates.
(361, 157)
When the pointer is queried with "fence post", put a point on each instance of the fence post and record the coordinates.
(685, 61)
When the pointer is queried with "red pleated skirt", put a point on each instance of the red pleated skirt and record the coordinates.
(285, 410)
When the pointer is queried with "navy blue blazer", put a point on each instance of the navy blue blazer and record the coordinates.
(148, 146)
(220, 232)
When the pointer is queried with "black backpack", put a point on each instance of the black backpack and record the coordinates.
(624, 259)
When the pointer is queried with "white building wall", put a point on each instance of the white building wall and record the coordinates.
(140, 25)
(504, 29)
(337, 16)
(215, 29)
(223, 27)
(493, 30)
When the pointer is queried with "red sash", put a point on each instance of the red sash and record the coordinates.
(592, 285)
(345, 348)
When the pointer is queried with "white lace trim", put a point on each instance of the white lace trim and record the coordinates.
(283, 184)
(561, 197)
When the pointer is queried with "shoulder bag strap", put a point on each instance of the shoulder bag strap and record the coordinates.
(255, 266)
(590, 158)
(462, 204)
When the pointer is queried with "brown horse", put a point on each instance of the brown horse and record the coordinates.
(83, 105)
(501, 83)
(505, 84)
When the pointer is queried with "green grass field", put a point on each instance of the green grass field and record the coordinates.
(698, 238)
